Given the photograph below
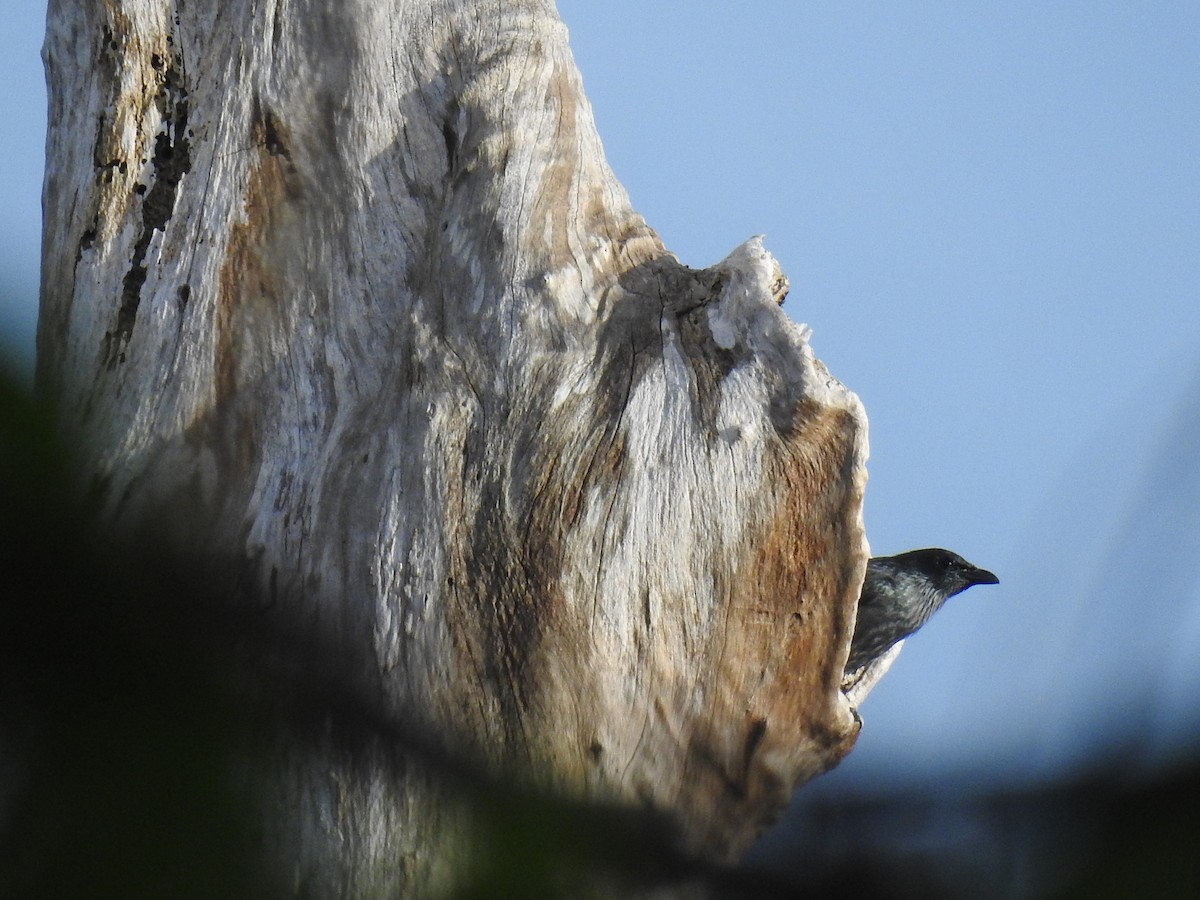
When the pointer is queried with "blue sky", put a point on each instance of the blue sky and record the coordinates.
(22, 147)
(990, 215)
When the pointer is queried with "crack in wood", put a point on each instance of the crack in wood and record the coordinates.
(171, 160)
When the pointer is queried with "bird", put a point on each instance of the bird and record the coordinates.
(899, 595)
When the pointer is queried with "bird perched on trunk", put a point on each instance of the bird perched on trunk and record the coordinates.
(899, 595)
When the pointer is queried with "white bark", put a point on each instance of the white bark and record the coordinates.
(347, 292)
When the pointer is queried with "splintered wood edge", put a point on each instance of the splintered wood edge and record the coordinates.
(857, 684)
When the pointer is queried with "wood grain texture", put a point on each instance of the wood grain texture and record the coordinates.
(347, 293)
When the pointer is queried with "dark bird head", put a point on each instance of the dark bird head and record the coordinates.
(901, 592)
(944, 570)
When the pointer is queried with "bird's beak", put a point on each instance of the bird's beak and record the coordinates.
(983, 576)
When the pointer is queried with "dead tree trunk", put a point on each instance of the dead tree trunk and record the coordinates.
(346, 292)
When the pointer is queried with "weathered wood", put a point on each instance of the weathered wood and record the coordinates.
(348, 293)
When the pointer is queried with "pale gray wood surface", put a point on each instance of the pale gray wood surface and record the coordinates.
(347, 293)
